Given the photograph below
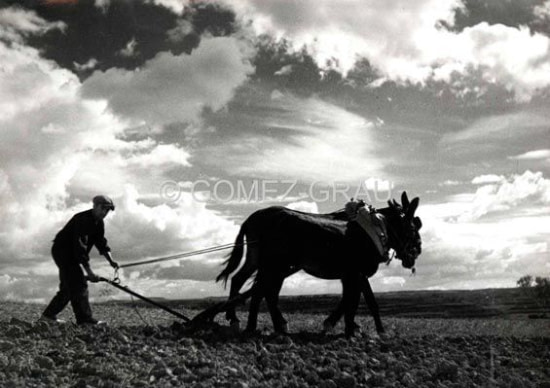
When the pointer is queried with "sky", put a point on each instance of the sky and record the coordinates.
(192, 115)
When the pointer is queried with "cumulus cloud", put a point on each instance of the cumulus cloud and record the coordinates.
(530, 188)
(342, 32)
(494, 49)
(542, 11)
(130, 49)
(406, 42)
(59, 149)
(44, 124)
(146, 231)
(23, 66)
(89, 65)
(160, 154)
(176, 6)
(461, 251)
(27, 288)
(182, 29)
(135, 232)
(174, 88)
(16, 23)
(285, 70)
(489, 178)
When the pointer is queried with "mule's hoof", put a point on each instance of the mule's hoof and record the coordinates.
(327, 327)
(235, 326)
(352, 330)
(284, 329)
(247, 333)
(281, 331)
(350, 334)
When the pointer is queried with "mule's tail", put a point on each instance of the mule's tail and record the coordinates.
(235, 256)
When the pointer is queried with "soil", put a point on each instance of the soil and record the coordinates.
(145, 347)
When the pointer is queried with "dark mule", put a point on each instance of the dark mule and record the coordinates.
(414, 248)
(284, 241)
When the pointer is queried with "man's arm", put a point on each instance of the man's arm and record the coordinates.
(103, 246)
(89, 273)
(109, 258)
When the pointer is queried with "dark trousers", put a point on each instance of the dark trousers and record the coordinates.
(73, 288)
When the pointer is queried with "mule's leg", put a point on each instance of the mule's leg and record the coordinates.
(272, 290)
(334, 317)
(371, 303)
(255, 301)
(237, 282)
(351, 294)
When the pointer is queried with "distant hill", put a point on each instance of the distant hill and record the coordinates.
(502, 302)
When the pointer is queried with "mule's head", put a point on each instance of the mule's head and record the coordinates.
(404, 229)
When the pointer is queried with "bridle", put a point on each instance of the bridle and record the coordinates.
(402, 244)
(402, 214)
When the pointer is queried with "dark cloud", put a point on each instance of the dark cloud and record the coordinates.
(98, 36)
(436, 105)
(102, 34)
(510, 13)
(301, 73)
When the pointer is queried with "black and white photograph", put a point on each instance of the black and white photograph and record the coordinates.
(275, 193)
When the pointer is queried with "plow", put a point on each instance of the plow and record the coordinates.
(203, 318)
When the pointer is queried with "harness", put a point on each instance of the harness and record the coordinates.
(372, 223)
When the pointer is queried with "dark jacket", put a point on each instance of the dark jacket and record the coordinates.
(75, 240)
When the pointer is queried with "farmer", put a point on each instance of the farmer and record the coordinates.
(70, 250)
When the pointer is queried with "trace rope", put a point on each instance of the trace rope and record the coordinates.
(186, 254)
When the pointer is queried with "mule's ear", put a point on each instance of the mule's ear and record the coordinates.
(412, 208)
(395, 204)
(389, 203)
(404, 200)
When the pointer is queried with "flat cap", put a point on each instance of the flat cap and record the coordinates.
(103, 200)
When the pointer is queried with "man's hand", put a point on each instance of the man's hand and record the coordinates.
(93, 278)
(109, 258)
(90, 275)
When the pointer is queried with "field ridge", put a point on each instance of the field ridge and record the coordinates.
(480, 303)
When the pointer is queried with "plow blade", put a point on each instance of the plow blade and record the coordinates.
(210, 313)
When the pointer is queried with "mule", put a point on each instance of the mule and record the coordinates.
(327, 246)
